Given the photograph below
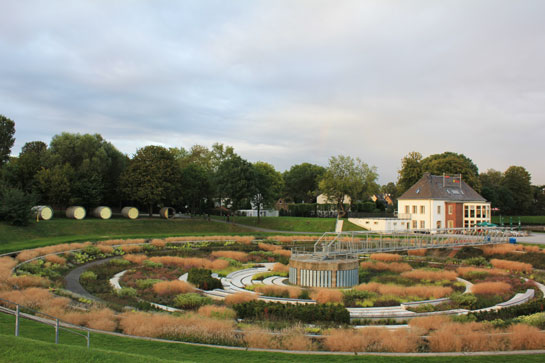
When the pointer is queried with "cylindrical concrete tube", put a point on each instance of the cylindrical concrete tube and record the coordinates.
(129, 212)
(42, 212)
(102, 212)
(167, 212)
(75, 212)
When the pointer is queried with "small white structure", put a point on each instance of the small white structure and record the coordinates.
(326, 199)
(381, 224)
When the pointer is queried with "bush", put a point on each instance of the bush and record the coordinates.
(88, 275)
(191, 301)
(126, 292)
(512, 265)
(511, 312)
(385, 257)
(491, 288)
(323, 296)
(537, 320)
(465, 301)
(476, 261)
(308, 313)
(15, 206)
(172, 287)
(119, 262)
(146, 283)
(203, 280)
(217, 312)
(430, 275)
(239, 298)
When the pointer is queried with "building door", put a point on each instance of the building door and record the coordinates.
(451, 224)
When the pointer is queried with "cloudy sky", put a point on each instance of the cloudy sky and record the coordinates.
(283, 81)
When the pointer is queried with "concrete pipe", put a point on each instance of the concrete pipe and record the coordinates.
(42, 212)
(167, 212)
(102, 212)
(75, 212)
(129, 212)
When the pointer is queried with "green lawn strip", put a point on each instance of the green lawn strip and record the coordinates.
(35, 344)
(295, 224)
(63, 230)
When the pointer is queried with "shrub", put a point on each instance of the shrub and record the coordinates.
(537, 320)
(323, 296)
(126, 292)
(511, 312)
(119, 262)
(385, 257)
(491, 288)
(217, 312)
(305, 313)
(202, 279)
(476, 261)
(235, 255)
(512, 265)
(172, 287)
(239, 298)
(151, 264)
(146, 283)
(88, 275)
(430, 275)
(15, 206)
(191, 301)
(466, 301)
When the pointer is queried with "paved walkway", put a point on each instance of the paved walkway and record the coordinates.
(72, 279)
(538, 238)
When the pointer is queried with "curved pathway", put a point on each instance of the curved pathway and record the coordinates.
(71, 280)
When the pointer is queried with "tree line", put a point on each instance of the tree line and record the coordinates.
(86, 170)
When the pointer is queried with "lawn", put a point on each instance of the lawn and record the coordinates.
(296, 224)
(35, 345)
(60, 230)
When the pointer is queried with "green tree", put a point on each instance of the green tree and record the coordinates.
(453, 163)
(31, 160)
(54, 185)
(195, 187)
(7, 131)
(410, 172)
(518, 181)
(348, 176)
(151, 178)
(268, 186)
(15, 206)
(301, 182)
(236, 179)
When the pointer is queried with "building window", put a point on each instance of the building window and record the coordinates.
(485, 211)
(438, 224)
(478, 211)
(415, 209)
(472, 211)
(407, 209)
(415, 224)
(466, 211)
(422, 209)
(438, 209)
(450, 209)
(422, 224)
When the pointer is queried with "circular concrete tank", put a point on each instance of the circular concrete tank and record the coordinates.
(323, 273)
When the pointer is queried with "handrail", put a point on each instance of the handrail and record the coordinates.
(56, 322)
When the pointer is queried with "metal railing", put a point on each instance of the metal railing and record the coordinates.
(342, 245)
(42, 318)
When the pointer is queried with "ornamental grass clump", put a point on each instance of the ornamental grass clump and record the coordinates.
(159, 243)
(137, 259)
(524, 337)
(268, 246)
(430, 275)
(172, 288)
(502, 249)
(188, 327)
(55, 259)
(191, 301)
(479, 272)
(25, 281)
(279, 291)
(287, 339)
(426, 324)
(419, 252)
(240, 297)
(491, 288)
(323, 296)
(283, 253)
(467, 337)
(371, 340)
(512, 265)
(42, 251)
(385, 257)
(420, 291)
(280, 267)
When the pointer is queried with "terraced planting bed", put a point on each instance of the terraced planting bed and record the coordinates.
(229, 290)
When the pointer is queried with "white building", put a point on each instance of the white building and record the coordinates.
(434, 202)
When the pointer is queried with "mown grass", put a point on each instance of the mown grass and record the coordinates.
(537, 220)
(295, 224)
(36, 345)
(61, 230)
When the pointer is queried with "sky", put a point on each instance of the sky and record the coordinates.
(283, 81)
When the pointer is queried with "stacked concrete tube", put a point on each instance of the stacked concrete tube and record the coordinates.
(102, 212)
(42, 212)
(130, 212)
(75, 212)
(167, 212)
